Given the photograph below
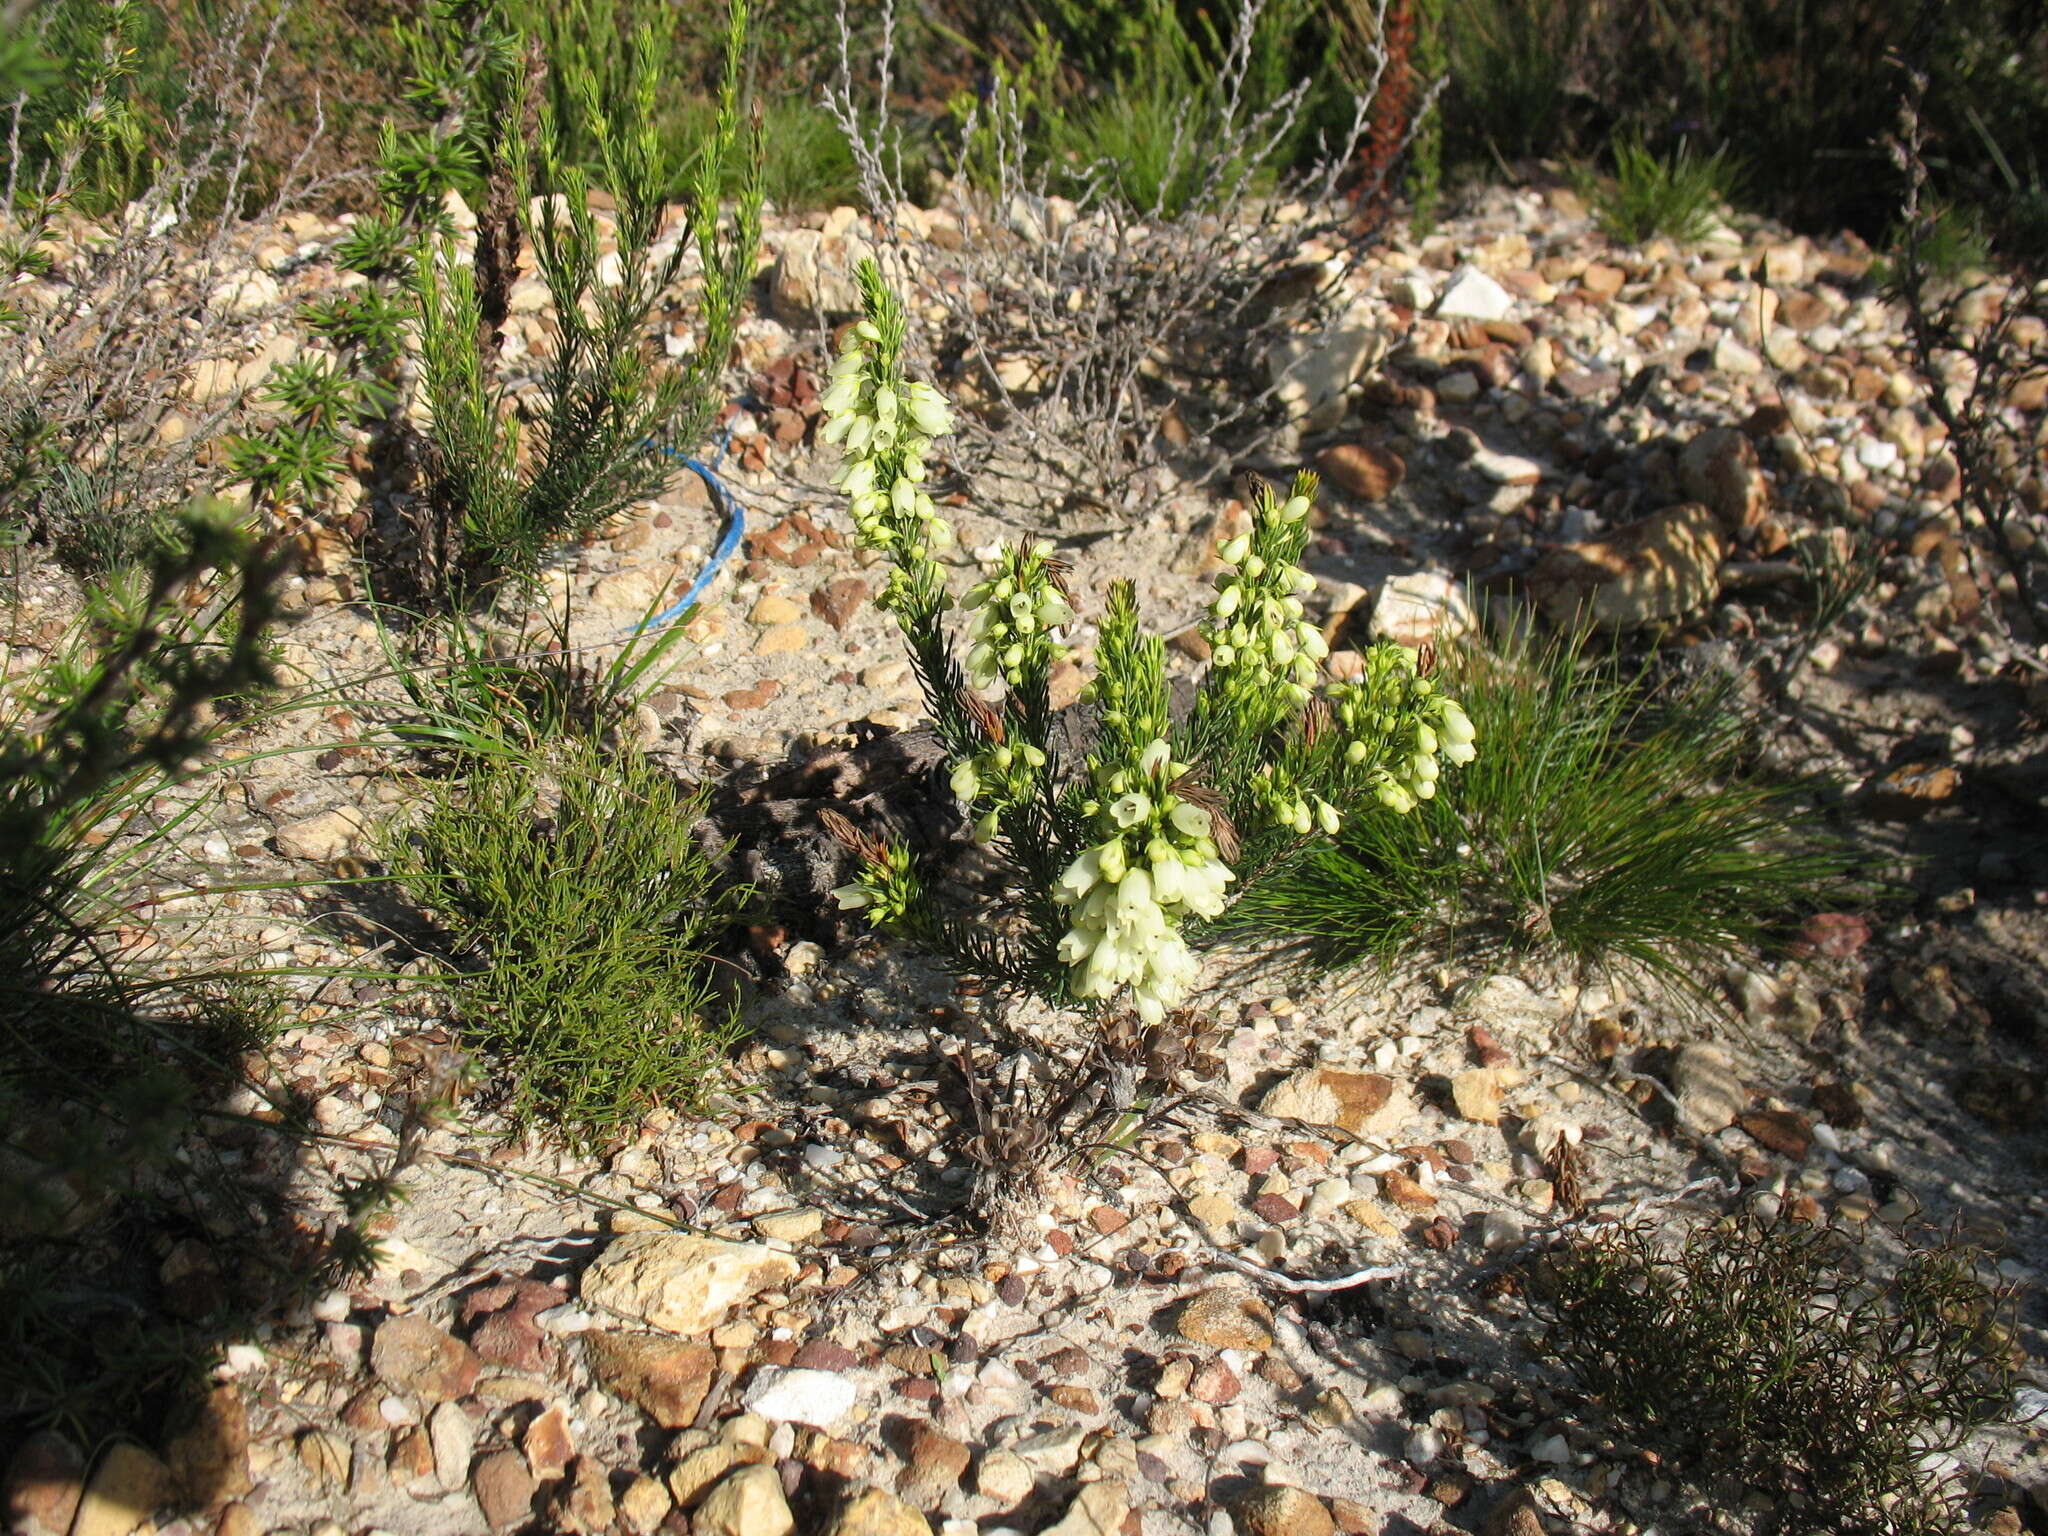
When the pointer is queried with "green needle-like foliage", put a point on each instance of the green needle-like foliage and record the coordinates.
(1605, 822)
(578, 908)
(1785, 1360)
(614, 415)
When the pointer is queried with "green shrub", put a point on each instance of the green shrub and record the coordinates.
(608, 408)
(1679, 195)
(1602, 822)
(1783, 1360)
(577, 908)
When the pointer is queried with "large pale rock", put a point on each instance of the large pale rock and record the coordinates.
(1311, 373)
(749, 1502)
(1363, 1103)
(815, 272)
(1277, 1510)
(1420, 607)
(796, 1396)
(872, 1512)
(680, 1283)
(128, 1486)
(1646, 573)
(1472, 295)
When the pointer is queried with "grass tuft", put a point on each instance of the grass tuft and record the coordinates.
(1602, 821)
(577, 907)
(1679, 195)
(1779, 1359)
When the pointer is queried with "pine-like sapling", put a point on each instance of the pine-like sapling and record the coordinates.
(1121, 835)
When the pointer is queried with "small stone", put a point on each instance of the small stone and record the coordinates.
(1911, 790)
(747, 1502)
(1355, 1519)
(838, 601)
(1419, 607)
(410, 1355)
(1363, 1103)
(1005, 1477)
(324, 838)
(1214, 1382)
(1277, 1510)
(781, 640)
(770, 611)
(680, 1283)
(699, 1471)
(210, 1456)
(45, 1481)
(451, 1434)
(1601, 280)
(1224, 1318)
(665, 1377)
(1099, 1509)
(1709, 1093)
(799, 1225)
(871, 1512)
(938, 1464)
(1784, 1131)
(1472, 295)
(1477, 1093)
(584, 1506)
(548, 1444)
(644, 1505)
(1369, 473)
(326, 1458)
(1731, 356)
(504, 1489)
(1719, 468)
(1405, 1192)
(1506, 468)
(791, 1395)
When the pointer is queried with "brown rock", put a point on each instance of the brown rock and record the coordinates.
(1275, 1208)
(1601, 280)
(1911, 790)
(1075, 1399)
(1353, 1518)
(698, 1472)
(871, 1512)
(411, 1355)
(938, 1464)
(1099, 1509)
(327, 1459)
(742, 700)
(838, 601)
(1214, 1382)
(45, 1480)
(1719, 468)
(1405, 1192)
(412, 1456)
(1645, 573)
(667, 1378)
(583, 1506)
(238, 1520)
(548, 1444)
(210, 1457)
(503, 1330)
(504, 1489)
(1371, 474)
(1277, 1510)
(1225, 1318)
(1784, 1131)
(644, 1505)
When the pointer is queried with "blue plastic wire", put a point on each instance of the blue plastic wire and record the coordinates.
(735, 529)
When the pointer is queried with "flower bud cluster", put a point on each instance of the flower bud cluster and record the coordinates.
(1400, 728)
(998, 777)
(1017, 613)
(1287, 804)
(1157, 862)
(887, 427)
(1260, 642)
(885, 889)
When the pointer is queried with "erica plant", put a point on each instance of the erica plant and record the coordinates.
(1122, 832)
